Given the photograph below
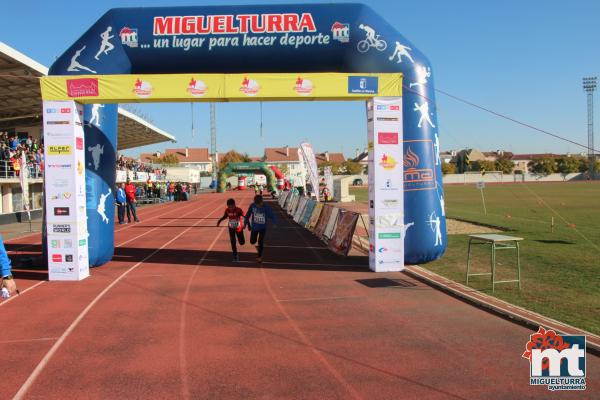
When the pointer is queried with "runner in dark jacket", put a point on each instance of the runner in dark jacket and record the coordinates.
(256, 220)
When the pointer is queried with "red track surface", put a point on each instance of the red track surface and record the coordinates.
(171, 317)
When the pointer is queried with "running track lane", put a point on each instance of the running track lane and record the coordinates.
(252, 332)
(30, 245)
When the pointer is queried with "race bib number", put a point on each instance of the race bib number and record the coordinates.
(234, 223)
(259, 218)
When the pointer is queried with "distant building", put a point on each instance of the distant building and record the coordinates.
(288, 160)
(327, 157)
(195, 157)
(447, 156)
(521, 161)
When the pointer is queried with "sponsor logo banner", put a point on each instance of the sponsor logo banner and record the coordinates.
(61, 211)
(417, 175)
(82, 87)
(387, 137)
(60, 150)
(363, 85)
(61, 228)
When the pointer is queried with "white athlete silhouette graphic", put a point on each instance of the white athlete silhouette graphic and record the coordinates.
(434, 223)
(400, 51)
(96, 151)
(405, 228)
(102, 206)
(96, 114)
(443, 205)
(75, 66)
(424, 110)
(436, 148)
(106, 45)
(422, 75)
(371, 40)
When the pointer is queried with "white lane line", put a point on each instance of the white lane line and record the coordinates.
(44, 362)
(357, 266)
(298, 247)
(158, 214)
(22, 292)
(320, 299)
(28, 340)
(119, 245)
(185, 388)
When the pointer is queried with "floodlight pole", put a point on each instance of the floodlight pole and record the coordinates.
(213, 140)
(589, 85)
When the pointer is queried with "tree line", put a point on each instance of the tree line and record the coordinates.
(542, 166)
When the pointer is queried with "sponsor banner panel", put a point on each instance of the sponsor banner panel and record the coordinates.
(66, 220)
(386, 184)
(91, 89)
(323, 220)
(300, 209)
(314, 217)
(331, 223)
(341, 241)
(310, 206)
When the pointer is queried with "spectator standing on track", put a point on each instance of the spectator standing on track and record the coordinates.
(121, 203)
(8, 282)
(256, 220)
(235, 217)
(171, 191)
(131, 203)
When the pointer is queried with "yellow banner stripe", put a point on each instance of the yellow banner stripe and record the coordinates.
(147, 88)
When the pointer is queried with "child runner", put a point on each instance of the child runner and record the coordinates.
(256, 220)
(236, 226)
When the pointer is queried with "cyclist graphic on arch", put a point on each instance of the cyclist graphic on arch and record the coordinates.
(372, 40)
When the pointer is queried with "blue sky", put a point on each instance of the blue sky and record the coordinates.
(521, 58)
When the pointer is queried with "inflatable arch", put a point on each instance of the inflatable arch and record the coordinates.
(246, 167)
(293, 38)
(279, 175)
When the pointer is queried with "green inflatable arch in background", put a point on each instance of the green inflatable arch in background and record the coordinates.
(246, 167)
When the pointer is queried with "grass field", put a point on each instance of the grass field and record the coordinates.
(560, 269)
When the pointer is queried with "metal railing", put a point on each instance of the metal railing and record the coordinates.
(7, 170)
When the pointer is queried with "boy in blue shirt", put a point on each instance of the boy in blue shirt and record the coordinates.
(121, 203)
(256, 221)
(6, 280)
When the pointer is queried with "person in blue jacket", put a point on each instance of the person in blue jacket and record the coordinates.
(256, 221)
(121, 199)
(5, 270)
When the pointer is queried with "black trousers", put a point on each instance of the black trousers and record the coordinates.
(260, 236)
(121, 211)
(240, 238)
(131, 205)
